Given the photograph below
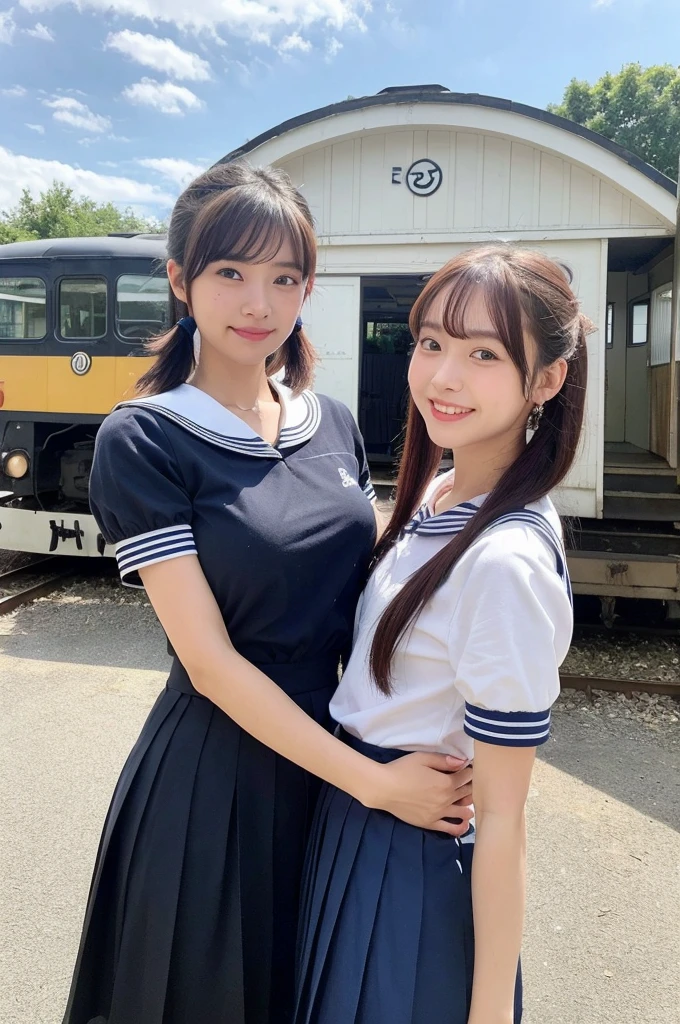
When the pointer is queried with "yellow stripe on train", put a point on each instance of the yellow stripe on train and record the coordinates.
(50, 384)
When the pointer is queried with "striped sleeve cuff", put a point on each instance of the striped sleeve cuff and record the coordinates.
(149, 548)
(369, 491)
(507, 728)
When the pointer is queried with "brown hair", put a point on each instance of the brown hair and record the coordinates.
(234, 211)
(524, 291)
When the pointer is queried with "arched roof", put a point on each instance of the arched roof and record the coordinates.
(433, 94)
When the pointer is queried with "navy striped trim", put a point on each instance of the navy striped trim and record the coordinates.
(307, 428)
(154, 546)
(289, 437)
(243, 445)
(451, 521)
(507, 728)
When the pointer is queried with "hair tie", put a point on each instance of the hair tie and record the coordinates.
(188, 325)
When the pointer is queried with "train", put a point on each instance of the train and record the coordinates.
(74, 317)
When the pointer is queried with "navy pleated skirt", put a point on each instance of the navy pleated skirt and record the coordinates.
(386, 929)
(193, 909)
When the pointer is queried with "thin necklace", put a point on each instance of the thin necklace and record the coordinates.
(252, 408)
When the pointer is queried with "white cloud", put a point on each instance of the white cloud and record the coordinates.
(18, 172)
(39, 128)
(14, 91)
(180, 172)
(76, 114)
(166, 97)
(41, 32)
(603, 3)
(294, 42)
(252, 18)
(332, 49)
(160, 54)
(7, 26)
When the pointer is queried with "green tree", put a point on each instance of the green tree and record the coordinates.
(639, 108)
(58, 214)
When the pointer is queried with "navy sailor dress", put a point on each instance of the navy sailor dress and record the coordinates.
(193, 906)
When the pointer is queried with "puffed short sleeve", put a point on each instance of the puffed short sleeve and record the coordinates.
(510, 633)
(137, 494)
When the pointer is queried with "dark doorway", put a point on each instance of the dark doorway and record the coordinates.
(385, 348)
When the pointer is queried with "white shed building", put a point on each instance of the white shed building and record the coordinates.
(401, 181)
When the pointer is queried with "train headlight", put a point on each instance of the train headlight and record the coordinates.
(15, 464)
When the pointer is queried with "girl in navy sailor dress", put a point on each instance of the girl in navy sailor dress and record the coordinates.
(243, 505)
(459, 635)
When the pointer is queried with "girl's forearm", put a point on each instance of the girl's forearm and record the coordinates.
(262, 708)
(498, 894)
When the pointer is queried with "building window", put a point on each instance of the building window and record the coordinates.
(610, 325)
(82, 308)
(22, 309)
(639, 323)
(142, 306)
(660, 326)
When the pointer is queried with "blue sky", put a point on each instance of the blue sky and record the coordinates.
(128, 103)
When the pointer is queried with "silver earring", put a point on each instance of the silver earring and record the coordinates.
(535, 417)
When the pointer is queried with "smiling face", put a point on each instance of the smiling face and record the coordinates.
(468, 390)
(245, 311)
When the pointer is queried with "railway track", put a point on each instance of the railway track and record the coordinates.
(27, 582)
(625, 686)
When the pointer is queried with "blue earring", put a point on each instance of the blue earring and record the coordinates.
(298, 324)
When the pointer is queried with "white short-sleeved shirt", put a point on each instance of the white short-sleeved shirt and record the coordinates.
(482, 658)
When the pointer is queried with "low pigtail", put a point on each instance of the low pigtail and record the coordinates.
(297, 358)
(174, 362)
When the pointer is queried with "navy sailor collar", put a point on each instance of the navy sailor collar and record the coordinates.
(426, 521)
(206, 418)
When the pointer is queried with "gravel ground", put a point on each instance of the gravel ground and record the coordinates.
(622, 656)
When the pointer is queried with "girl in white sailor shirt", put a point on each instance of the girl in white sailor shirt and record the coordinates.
(459, 635)
(243, 504)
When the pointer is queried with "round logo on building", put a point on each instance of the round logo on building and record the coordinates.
(424, 177)
(80, 363)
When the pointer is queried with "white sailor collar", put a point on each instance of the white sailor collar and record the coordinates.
(203, 416)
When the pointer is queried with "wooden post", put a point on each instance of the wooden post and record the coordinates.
(673, 459)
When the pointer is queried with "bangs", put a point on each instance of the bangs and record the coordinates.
(458, 282)
(248, 225)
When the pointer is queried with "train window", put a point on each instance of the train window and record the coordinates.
(22, 309)
(142, 306)
(82, 307)
(639, 323)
